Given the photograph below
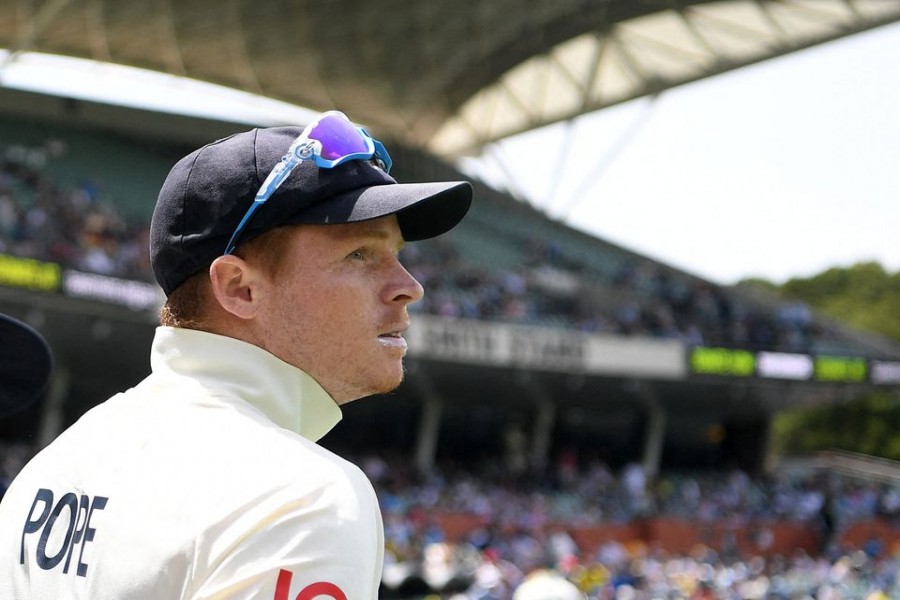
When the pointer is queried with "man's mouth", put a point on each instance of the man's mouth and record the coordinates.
(393, 338)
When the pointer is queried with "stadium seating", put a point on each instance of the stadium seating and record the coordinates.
(80, 200)
(474, 531)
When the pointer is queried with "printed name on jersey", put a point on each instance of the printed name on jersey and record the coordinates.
(324, 589)
(69, 516)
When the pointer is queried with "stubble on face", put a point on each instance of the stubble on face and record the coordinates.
(339, 318)
(345, 371)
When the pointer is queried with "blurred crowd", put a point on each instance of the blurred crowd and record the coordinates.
(70, 225)
(620, 572)
(529, 523)
(525, 521)
(640, 298)
(595, 494)
(526, 524)
(78, 227)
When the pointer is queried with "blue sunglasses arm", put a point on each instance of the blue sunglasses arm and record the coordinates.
(276, 177)
(240, 228)
(306, 148)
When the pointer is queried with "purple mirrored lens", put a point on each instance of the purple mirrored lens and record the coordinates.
(338, 137)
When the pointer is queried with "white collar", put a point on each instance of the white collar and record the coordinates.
(283, 393)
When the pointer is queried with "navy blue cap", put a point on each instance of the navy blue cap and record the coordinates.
(25, 365)
(207, 193)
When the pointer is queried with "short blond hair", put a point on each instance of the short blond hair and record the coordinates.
(187, 305)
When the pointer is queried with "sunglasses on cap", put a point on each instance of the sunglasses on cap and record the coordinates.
(330, 140)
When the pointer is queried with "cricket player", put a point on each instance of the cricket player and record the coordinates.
(278, 253)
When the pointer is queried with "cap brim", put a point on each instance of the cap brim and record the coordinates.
(25, 365)
(424, 210)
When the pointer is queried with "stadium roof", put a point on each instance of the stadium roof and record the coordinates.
(442, 75)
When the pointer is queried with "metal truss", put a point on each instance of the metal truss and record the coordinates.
(646, 55)
(448, 76)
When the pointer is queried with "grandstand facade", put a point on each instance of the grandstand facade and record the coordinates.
(534, 340)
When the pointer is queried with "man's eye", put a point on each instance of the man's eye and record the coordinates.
(357, 255)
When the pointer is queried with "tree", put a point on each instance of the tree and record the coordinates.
(865, 296)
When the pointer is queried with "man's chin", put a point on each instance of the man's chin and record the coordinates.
(390, 385)
(385, 386)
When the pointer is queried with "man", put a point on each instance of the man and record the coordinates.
(285, 299)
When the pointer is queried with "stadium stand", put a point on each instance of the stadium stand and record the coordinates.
(473, 523)
(509, 264)
(518, 525)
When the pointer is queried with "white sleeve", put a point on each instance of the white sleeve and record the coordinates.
(327, 542)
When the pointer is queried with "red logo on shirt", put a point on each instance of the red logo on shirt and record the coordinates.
(313, 590)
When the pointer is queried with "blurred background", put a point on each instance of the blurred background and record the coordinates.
(661, 357)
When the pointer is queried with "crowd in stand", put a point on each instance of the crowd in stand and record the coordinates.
(68, 225)
(619, 572)
(624, 573)
(639, 299)
(525, 525)
(77, 227)
(595, 495)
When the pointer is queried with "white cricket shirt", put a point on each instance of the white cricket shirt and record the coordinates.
(204, 481)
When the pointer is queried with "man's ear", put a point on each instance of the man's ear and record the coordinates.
(235, 285)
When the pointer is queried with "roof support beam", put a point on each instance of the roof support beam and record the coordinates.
(39, 23)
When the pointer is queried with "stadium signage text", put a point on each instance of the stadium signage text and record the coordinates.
(476, 342)
(36, 275)
(722, 361)
(136, 295)
(793, 366)
(29, 273)
(553, 349)
(782, 365)
(884, 371)
(461, 341)
(541, 348)
(840, 368)
(558, 350)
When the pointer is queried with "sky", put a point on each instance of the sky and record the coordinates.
(778, 170)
